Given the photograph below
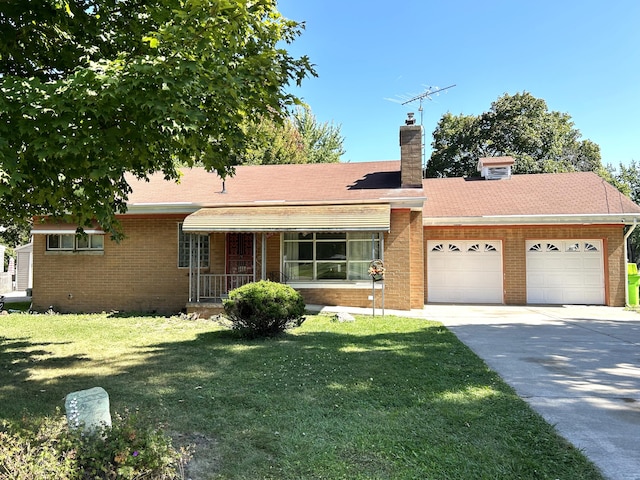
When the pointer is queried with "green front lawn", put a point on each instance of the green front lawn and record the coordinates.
(380, 398)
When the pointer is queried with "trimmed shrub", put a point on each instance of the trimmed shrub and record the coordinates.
(264, 309)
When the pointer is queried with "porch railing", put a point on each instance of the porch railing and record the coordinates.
(214, 287)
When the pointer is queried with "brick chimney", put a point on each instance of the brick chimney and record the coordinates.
(411, 153)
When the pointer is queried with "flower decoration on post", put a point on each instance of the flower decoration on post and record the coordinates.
(376, 270)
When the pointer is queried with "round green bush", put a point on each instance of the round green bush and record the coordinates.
(264, 308)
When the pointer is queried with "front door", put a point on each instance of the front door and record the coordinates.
(239, 259)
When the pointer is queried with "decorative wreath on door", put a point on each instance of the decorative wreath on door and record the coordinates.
(376, 270)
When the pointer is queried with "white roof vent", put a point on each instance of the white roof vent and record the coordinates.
(495, 168)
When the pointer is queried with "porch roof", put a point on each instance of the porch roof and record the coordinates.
(299, 218)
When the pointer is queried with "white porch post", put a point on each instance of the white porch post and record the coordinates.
(264, 257)
(255, 259)
(190, 268)
(198, 265)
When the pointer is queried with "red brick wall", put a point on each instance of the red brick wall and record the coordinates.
(139, 274)
(353, 297)
(404, 277)
(417, 274)
(273, 253)
(513, 245)
(217, 258)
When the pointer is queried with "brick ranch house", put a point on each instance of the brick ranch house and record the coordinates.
(543, 239)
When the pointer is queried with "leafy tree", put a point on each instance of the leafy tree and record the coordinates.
(322, 142)
(301, 138)
(92, 89)
(16, 234)
(520, 126)
(272, 142)
(456, 147)
(627, 180)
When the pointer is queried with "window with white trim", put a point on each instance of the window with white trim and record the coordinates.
(200, 242)
(329, 255)
(70, 242)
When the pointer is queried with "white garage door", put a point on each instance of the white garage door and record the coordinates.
(464, 271)
(565, 272)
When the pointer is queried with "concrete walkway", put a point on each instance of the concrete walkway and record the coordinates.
(577, 366)
(16, 296)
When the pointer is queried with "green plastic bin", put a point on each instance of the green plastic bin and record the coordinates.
(634, 282)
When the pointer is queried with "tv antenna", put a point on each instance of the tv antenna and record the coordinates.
(427, 94)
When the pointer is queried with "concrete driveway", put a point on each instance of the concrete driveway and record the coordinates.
(578, 366)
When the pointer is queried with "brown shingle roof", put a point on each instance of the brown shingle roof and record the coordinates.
(578, 193)
(304, 183)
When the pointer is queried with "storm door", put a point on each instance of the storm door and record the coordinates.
(240, 259)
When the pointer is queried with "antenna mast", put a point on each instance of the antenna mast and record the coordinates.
(427, 94)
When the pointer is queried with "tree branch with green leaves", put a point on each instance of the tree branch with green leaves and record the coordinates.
(94, 89)
(520, 126)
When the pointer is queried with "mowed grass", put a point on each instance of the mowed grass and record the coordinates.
(379, 398)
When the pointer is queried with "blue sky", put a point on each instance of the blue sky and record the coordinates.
(581, 57)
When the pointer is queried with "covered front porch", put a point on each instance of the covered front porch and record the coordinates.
(232, 246)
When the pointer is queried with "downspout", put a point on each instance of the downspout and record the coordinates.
(626, 260)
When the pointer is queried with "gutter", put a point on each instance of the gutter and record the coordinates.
(414, 203)
(585, 219)
(626, 261)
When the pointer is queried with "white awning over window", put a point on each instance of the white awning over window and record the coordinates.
(315, 218)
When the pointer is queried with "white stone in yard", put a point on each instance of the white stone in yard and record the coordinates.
(88, 409)
(344, 317)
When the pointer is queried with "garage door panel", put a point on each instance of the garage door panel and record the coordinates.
(565, 271)
(480, 296)
(573, 263)
(572, 280)
(535, 279)
(572, 296)
(442, 294)
(554, 281)
(439, 262)
(535, 297)
(438, 277)
(593, 263)
(593, 281)
(595, 293)
(467, 271)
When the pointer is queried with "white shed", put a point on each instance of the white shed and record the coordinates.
(5, 277)
(24, 267)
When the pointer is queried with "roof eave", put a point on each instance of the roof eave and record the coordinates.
(414, 203)
(162, 208)
(584, 219)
